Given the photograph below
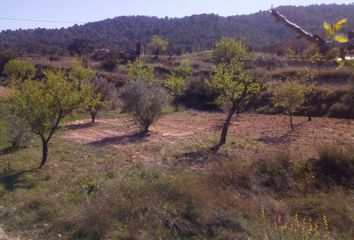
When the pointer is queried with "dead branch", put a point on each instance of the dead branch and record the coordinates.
(314, 38)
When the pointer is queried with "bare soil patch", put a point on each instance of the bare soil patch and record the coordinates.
(248, 133)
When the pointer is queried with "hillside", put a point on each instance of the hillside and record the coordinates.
(193, 33)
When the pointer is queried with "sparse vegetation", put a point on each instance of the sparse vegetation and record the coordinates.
(109, 181)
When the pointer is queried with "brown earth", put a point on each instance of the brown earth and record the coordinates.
(248, 134)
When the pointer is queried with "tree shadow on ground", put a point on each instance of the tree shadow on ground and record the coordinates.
(276, 140)
(285, 138)
(10, 181)
(79, 126)
(8, 150)
(119, 140)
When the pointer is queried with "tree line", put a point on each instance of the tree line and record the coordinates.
(194, 33)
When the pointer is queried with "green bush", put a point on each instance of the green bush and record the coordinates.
(145, 102)
(274, 172)
(335, 165)
(15, 129)
(146, 204)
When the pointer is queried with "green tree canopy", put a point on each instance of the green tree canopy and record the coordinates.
(19, 70)
(290, 96)
(184, 69)
(137, 71)
(158, 45)
(236, 87)
(176, 86)
(43, 104)
(228, 49)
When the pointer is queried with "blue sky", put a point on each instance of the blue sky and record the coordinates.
(67, 12)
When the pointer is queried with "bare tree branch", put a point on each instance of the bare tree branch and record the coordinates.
(314, 38)
(310, 37)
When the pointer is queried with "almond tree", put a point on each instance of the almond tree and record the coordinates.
(236, 87)
(290, 96)
(43, 104)
(158, 45)
(176, 86)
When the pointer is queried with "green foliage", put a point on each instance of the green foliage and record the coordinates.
(158, 45)
(137, 71)
(335, 165)
(228, 49)
(80, 74)
(98, 95)
(184, 69)
(188, 34)
(290, 96)
(93, 103)
(176, 86)
(43, 104)
(145, 101)
(14, 129)
(19, 70)
(5, 57)
(332, 31)
(234, 83)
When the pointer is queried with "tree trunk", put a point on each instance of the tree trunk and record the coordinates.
(146, 129)
(176, 105)
(225, 129)
(93, 116)
(291, 122)
(44, 153)
(309, 117)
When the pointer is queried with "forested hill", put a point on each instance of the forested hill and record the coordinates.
(193, 33)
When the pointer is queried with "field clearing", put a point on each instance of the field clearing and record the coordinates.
(249, 134)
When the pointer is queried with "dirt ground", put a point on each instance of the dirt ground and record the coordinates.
(247, 134)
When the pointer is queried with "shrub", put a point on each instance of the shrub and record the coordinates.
(19, 70)
(176, 86)
(101, 92)
(230, 174)
(5, 57)
(137, 71)
(198, 95)
(145, 102)
(146, 204)
(340, 110)
(269, 61)
(335, 165)
(110, 64)
(184, 69)
(274, 172)
(15, 129)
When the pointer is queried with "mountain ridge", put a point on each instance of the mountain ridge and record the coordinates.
(191, 33)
